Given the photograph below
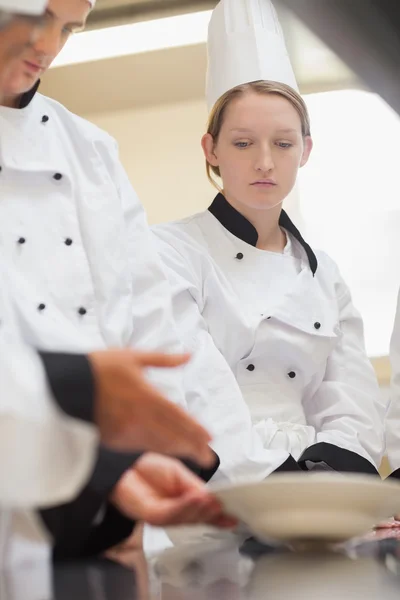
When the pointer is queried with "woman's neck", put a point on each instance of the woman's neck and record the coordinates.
(266, 222)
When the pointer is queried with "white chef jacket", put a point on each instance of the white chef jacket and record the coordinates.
(45, 456)
(392, 423)
(73, 228)
(296, 357)
(75, 233)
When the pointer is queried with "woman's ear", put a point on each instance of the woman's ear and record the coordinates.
(207, 143)
(308, 146)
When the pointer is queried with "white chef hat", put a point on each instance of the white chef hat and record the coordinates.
(245, 44)
(29, 7)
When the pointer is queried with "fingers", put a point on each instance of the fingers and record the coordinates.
(159, 442)
(169, 475)
(176, 431)
(393, 523)
(138, 497)
(160, 359)
(162, 425)
(186, 481)
(223, 522)
(188, 510)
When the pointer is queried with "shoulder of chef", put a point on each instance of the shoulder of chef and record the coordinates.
(49, 109)
(184, 237)
(190, 238)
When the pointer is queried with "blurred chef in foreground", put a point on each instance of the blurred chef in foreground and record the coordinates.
(50, 453)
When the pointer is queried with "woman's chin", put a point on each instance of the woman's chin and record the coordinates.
(264, 202)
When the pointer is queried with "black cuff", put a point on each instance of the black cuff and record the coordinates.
(72, 525)
(337, 458)
(71, 381)
(204, 473)
(394, 475)
(289, 465)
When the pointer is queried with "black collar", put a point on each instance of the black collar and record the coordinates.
(27, 98)
(241, 228)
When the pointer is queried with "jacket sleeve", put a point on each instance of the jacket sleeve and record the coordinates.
(346, 410)
(392, 424)
(212, 393)
(71, 381)
(47, 457)
(90, 524)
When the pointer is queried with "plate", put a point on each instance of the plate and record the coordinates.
(326, 507)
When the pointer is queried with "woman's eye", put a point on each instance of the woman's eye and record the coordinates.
(242, 144)
(285, 145)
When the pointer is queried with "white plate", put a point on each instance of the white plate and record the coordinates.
(330, 507)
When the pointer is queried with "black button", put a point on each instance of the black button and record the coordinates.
(57, 176)
(251, 368)
(239, 256)
(68, 242)
(317, 325)
(268, 317)
(41, 307)
(82, 311)
(45, 118)
(292, 374)
(21, 240)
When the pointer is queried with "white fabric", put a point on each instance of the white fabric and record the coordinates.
(110, 268)
(222, 306)
(33, 582)
(46, 457)
(29, 7)
(392, 425)
(245, 44)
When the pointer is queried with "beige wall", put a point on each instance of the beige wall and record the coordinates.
(160, 149)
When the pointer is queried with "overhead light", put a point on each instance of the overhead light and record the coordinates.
(111, 42)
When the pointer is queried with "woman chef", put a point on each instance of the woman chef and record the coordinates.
(251, 296)
(49, 455)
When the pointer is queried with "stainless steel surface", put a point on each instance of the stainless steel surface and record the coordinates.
(367, 570)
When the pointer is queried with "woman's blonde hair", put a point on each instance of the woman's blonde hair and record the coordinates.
(216, 118)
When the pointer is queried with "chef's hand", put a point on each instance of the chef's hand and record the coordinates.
(161, 491)
(133, 415)
(393, 523)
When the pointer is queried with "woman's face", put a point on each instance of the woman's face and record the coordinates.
(259, 150)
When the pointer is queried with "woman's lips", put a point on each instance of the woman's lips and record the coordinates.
(264, 184)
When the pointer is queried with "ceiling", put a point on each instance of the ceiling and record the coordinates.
(110, 12)
(176, 74)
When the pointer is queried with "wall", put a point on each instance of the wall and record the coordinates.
(160, 149)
